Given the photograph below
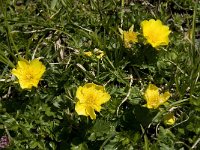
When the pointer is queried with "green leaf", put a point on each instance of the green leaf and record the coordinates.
(82, 146)
(53, 3)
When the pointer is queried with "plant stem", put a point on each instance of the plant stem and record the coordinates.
(122, 12)
(193, 56)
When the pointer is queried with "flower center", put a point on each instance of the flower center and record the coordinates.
(130, 37)
(29, 76)
(154, 100)
(91, 99)
(153, 37)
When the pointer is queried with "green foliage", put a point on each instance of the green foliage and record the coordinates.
(59, 32)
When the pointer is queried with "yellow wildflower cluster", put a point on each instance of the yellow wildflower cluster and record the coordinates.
(153, 31)
(91, 96)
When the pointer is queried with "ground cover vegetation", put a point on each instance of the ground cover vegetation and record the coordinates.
(99, 74)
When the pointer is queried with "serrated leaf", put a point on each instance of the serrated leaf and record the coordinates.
(100, 127)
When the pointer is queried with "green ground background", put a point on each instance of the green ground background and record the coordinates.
(58, 32)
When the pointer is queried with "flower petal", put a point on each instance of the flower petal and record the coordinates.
(90, 112)
(79, 94)
(16, 72)
(152, 96)
(97, 107)
(103, 98)
(81, 109)
(25, 85)
(151, 92)
(164, 97)
(37, 68)
(22, 64)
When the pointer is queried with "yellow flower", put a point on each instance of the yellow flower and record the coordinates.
(169, 119)
(155, 32)
(154, 98)
(29, 73)
(99, 53)
(129, 36)
(96, 52)
(90, 98)
(89, 54)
